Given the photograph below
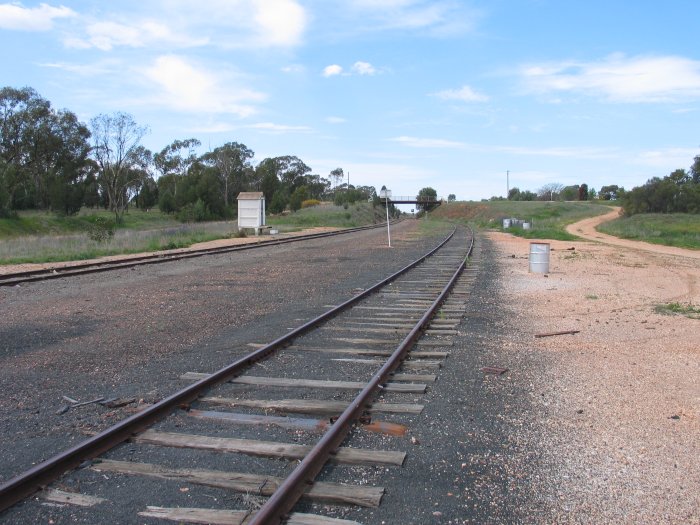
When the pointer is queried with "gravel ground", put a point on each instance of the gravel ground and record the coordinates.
(616, 407)
(131, 333)
(596, 427)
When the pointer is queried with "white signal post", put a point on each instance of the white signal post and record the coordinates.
(386, 195)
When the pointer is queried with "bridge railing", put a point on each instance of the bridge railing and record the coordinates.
(413, 198)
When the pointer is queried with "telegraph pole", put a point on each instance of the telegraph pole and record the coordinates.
(507, 183)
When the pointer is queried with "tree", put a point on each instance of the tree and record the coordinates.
(298, 196)
(550, 192)
(451, 197)
(44, 152)
(291, 171)
(269, 182)
(336, 176)
(570, 193)
(611, 192)
(429, 197)
(232, 162)
(583, 192)
(177, 157)
(695, 170)
(148, 194)
(279, 201)
(122, 160)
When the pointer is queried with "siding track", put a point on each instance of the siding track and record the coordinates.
(15, 278)
(371, 356)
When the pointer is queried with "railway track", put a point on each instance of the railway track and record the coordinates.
(334, 395)
(15, 278)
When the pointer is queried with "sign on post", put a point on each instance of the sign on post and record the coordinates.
(386, 195)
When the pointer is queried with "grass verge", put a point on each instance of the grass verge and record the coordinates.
(673, 229)
(40, 237)
(548, 220)
(326, 214)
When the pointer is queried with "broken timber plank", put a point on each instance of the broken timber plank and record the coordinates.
(369, 330)
(416, 364)
(344, 455)
(313, 406)
(71, 498)
(361, 495)
(311, 383)
(191, 515)
(311, 425)
(298, 518)
(351, 340)
(369, 351)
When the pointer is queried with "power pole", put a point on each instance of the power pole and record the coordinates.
(507, 183)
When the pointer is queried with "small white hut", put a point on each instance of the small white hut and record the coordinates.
(251, 210)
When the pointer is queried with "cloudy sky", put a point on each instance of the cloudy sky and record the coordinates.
(408, 93)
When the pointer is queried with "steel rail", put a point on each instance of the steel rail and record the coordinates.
(12, 279)
(34, 479)
(278, 506)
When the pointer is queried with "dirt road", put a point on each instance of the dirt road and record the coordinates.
(586, 229)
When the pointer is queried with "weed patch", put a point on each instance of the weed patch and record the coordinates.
(687, 310)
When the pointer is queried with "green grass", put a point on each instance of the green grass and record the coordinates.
(548, 219)
(78, 246)
(687, 310)
(44, 237)
(43, 223)
(358, 214)
(673, 229)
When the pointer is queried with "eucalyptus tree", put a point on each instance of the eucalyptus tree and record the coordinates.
(233, 167)
(44, 152)
(122, 161)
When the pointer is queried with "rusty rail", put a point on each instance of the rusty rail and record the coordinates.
(12, 279)
(277, 508)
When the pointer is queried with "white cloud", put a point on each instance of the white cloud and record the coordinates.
(363, 68)
(358, 68)
(465, 94)
(14, 16)
(98, 68)
(439, 17)
(107, 35)
(279, 22)
(619, 78)
(185, 87)
(332, 70)
(335, 120)
(176, 23)
(277, 129)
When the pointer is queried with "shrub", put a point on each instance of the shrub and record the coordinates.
(101, 229)
(197, 212)
(308, 203)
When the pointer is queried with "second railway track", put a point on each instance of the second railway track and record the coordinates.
(94, 266)
(302, 417)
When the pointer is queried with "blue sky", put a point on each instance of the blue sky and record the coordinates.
(404, 93)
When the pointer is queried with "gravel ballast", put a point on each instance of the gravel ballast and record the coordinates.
(599, 426)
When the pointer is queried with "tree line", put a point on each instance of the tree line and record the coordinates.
(49, 160)
(558, 192)
(678, 192)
